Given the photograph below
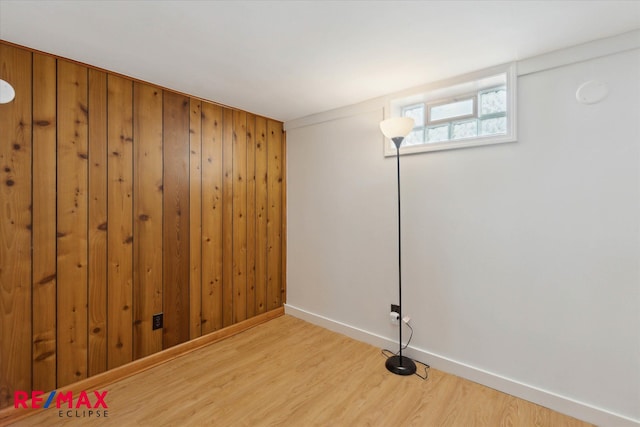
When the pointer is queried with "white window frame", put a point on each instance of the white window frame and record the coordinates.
(451, 90)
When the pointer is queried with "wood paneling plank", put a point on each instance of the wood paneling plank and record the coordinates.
(274, 215)
(195, 223)
(239, 216)
(251, 216)
(44, 222)
(120, 227)
(227, 217)
(15, 226)
(176, 219)
(211, 217)
(261, 214)
(73, 153)
(147, 218)
(97, 358)
(283, 222)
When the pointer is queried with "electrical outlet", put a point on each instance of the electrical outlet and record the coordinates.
(156, 321)
(394, 318)
(394, 315)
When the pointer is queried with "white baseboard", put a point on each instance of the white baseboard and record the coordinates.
(562, 404)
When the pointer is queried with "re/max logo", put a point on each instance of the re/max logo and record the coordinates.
(59, 399)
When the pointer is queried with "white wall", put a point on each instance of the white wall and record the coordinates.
(521, 261)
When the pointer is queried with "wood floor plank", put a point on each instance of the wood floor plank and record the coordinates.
(289, 372)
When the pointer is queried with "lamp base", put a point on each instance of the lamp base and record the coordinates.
(401, 365)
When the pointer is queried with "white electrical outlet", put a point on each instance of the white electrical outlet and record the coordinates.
(394, 317)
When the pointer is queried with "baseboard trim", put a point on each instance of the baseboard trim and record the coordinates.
(100, 381)
(562, 404)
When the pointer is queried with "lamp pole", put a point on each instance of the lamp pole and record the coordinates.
(397, 142)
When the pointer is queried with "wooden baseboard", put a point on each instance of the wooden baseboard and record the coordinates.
(11, 415)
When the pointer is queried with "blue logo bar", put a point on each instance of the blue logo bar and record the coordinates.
(53, 393)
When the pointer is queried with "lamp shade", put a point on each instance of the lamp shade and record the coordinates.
(396, 127)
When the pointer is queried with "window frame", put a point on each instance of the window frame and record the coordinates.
(452, 90)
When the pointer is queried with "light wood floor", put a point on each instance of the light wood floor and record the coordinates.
(291, 373)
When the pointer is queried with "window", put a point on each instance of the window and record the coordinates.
(476, 109)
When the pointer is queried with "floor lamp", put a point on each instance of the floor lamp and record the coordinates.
(396, 129)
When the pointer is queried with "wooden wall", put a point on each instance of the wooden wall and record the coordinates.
(119, 200)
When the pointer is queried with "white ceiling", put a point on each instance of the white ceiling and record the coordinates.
(289, 59)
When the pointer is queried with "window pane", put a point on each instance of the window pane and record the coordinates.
(415, 137)
(466, 129)
(494, 101)
(438, 133)
(416, 112)
(451, 110)
(493, 126)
